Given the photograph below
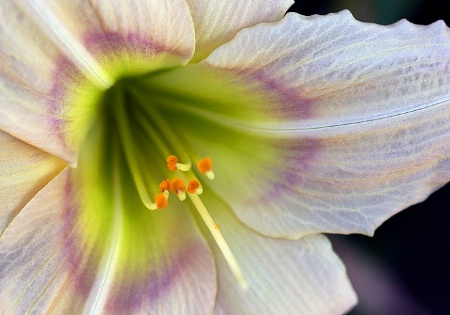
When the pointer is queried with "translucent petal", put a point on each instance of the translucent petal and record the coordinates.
(33, 274)
(359, 130)
(27, 108)
(52, 262)
(53, 52)
(346, 179)
(342, 71)
(283, 276)
(25, 171)
(96, 33)
(216, 22)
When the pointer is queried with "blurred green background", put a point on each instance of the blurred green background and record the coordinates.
(405, 268)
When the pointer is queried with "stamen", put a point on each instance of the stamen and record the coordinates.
(161, 201)
(173, 164)
(220, 240)
(194, 187)
(177, 186)
(205, 167)
(164, 187)
(130, 155)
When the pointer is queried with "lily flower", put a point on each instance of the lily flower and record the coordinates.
(186, 156)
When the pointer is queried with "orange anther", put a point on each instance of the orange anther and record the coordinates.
(172, 162)
(161, 201)
(165, 185)
(193, 185)
(177, 185)
(205, 165)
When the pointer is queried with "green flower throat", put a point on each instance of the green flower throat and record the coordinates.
(146, 139)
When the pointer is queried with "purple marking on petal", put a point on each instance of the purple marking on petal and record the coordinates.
(105, 43)
(297, 156)
(129, 296)
(294, 105)
(299, 152)
(65, 75)
(81, 278)
(286, 102)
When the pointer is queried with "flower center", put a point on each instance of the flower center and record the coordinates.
(142, 123)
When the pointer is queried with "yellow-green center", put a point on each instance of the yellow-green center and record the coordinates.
(125, 134)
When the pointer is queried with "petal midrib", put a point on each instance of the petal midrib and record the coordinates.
(67, 42)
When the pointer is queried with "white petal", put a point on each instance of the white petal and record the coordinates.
(32, 272)
(90, 33)
(49, 48)
(363, 121)
(48, 265)
(335, 70)
(216, 22)
(283, 276)
(27, 108)
(24, 171)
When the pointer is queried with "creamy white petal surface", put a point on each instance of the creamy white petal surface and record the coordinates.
(283, 276)
(216, 22)
(314, 124)
(25, 171)
(363, 120)
(68, 42)
(47, 266)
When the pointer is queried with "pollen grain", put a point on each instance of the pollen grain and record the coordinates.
(205, 167)
(161, 201)
(172, 162)
(165, 185)
(193, 186)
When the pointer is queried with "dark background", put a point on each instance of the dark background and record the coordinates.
(405, 268)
